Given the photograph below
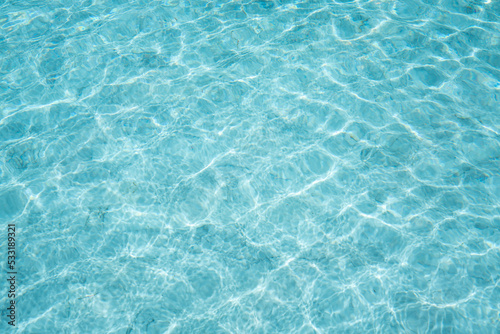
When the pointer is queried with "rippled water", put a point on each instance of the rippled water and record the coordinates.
(251, 166)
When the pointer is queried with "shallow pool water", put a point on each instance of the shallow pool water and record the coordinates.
(251, 166)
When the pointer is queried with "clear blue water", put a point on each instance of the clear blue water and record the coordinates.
(251, 166)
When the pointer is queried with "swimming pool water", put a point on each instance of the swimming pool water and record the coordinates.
(251, 166)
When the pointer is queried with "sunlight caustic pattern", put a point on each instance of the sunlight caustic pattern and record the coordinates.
(252, 166)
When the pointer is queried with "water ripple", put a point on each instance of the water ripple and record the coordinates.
(252, 167)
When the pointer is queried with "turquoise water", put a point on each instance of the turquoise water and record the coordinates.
(251, 166)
